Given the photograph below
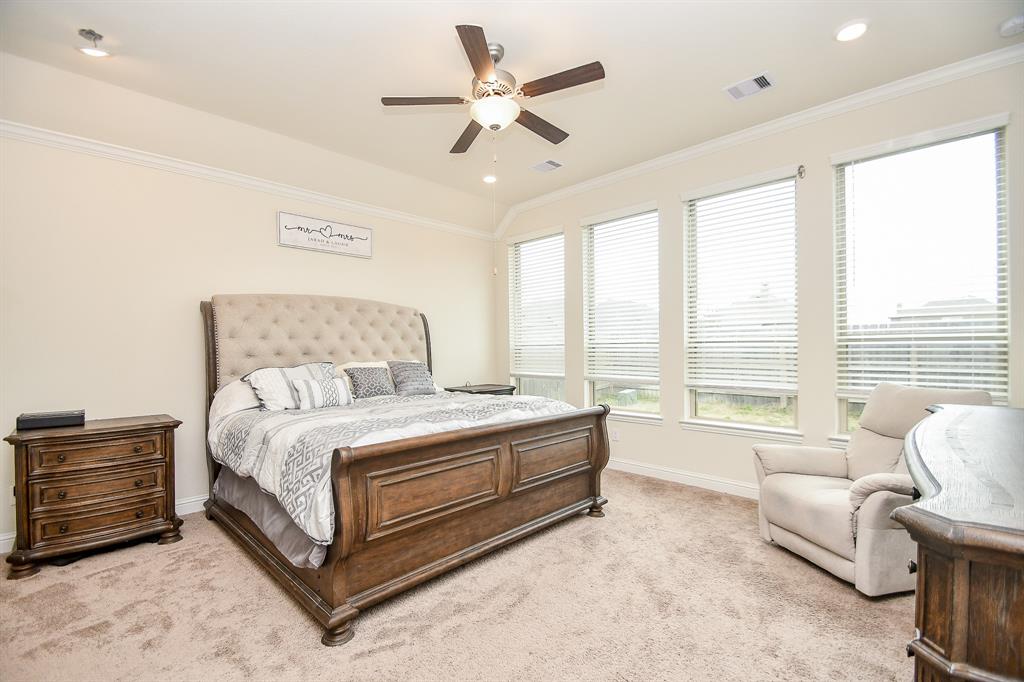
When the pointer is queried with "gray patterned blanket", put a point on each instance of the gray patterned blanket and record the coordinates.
(288, 452)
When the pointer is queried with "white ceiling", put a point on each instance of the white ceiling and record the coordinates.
(316, 71)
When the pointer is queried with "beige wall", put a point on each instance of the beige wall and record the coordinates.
(50, 98)
(103, 264)
(717, 456)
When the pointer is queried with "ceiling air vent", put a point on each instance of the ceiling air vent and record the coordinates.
(749, 87)
(546, 166)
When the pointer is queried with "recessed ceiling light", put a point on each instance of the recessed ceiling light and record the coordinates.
(93, 50)
(490, 179)
(851, 30)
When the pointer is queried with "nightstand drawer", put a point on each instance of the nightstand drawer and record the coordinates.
(105, 486)
(72, 455)
(91, 523)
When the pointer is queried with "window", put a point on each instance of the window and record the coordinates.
(921, 291)
(741, 324)
(620, 313)
(536, 305)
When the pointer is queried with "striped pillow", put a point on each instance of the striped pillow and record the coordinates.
(411, 378)
(273, 385)
(325, 393)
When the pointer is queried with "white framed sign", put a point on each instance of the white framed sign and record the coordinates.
(315, 234)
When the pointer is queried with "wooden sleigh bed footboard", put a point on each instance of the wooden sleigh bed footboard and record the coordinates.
(412, 509)
(409, 510)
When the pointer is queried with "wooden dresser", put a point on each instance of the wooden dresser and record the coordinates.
(81, 487)
(968, 464)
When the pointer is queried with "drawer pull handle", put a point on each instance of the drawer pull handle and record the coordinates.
(139, 514)
(911, 566)
(62, 494)
(63, 529)
(61, 458)
(138, 482)
(137, 449)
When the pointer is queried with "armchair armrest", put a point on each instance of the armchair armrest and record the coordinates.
(799, 459)
(865, 486)
(874, 497)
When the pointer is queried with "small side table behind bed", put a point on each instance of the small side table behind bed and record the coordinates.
(484, 389)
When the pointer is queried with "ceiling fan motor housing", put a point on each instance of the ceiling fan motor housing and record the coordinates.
(503, 85)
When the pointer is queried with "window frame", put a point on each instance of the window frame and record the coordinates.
(996, 124)
(690, 420)
(511, 244)
(587, 226)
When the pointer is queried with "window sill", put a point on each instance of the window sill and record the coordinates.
(839, 440)
(634, 417)
(773, 433)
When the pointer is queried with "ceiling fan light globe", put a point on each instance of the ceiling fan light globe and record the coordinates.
(93, 51)
(495, 113)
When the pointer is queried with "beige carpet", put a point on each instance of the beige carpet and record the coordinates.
(672, 584)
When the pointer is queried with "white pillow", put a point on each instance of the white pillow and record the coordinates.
(230, 398)
(273, 385)
(324, 393)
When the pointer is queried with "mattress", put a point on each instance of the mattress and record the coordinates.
(288, 452)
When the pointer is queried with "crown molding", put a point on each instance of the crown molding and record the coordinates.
(58, 140)
(989, 61)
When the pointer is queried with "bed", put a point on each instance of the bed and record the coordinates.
(405, 510)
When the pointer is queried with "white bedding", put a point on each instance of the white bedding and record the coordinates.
(288, 452)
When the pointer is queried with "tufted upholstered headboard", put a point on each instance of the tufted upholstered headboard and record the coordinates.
(245, 332)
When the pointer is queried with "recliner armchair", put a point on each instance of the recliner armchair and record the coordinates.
(832, 507)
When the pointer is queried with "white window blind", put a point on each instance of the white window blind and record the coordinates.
(620, 300)
(741, 303)
(536, 307)
(921, 259)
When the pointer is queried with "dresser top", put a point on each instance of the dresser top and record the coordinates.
(968, 463)
(95, 427)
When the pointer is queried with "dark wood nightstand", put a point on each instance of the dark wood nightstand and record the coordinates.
(481, 389)
(82, 487)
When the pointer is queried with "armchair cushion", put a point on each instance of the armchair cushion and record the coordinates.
(872, 453)
(891, 411)
(864, 486)
(817, 508)
(801, 459)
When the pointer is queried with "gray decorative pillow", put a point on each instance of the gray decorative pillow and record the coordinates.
(411, 378)
(368, 382)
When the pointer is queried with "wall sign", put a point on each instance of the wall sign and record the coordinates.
(303, 232)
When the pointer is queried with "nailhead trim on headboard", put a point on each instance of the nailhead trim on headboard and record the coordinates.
(283, 330)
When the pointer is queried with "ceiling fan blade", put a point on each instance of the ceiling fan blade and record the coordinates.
(565, 79)
(466, 138)
(475, 44)
(552, 134)
(411, 101)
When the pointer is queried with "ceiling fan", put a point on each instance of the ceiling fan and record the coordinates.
(494, 103)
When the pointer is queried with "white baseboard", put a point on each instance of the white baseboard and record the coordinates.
(188, 505)
(716, 483)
